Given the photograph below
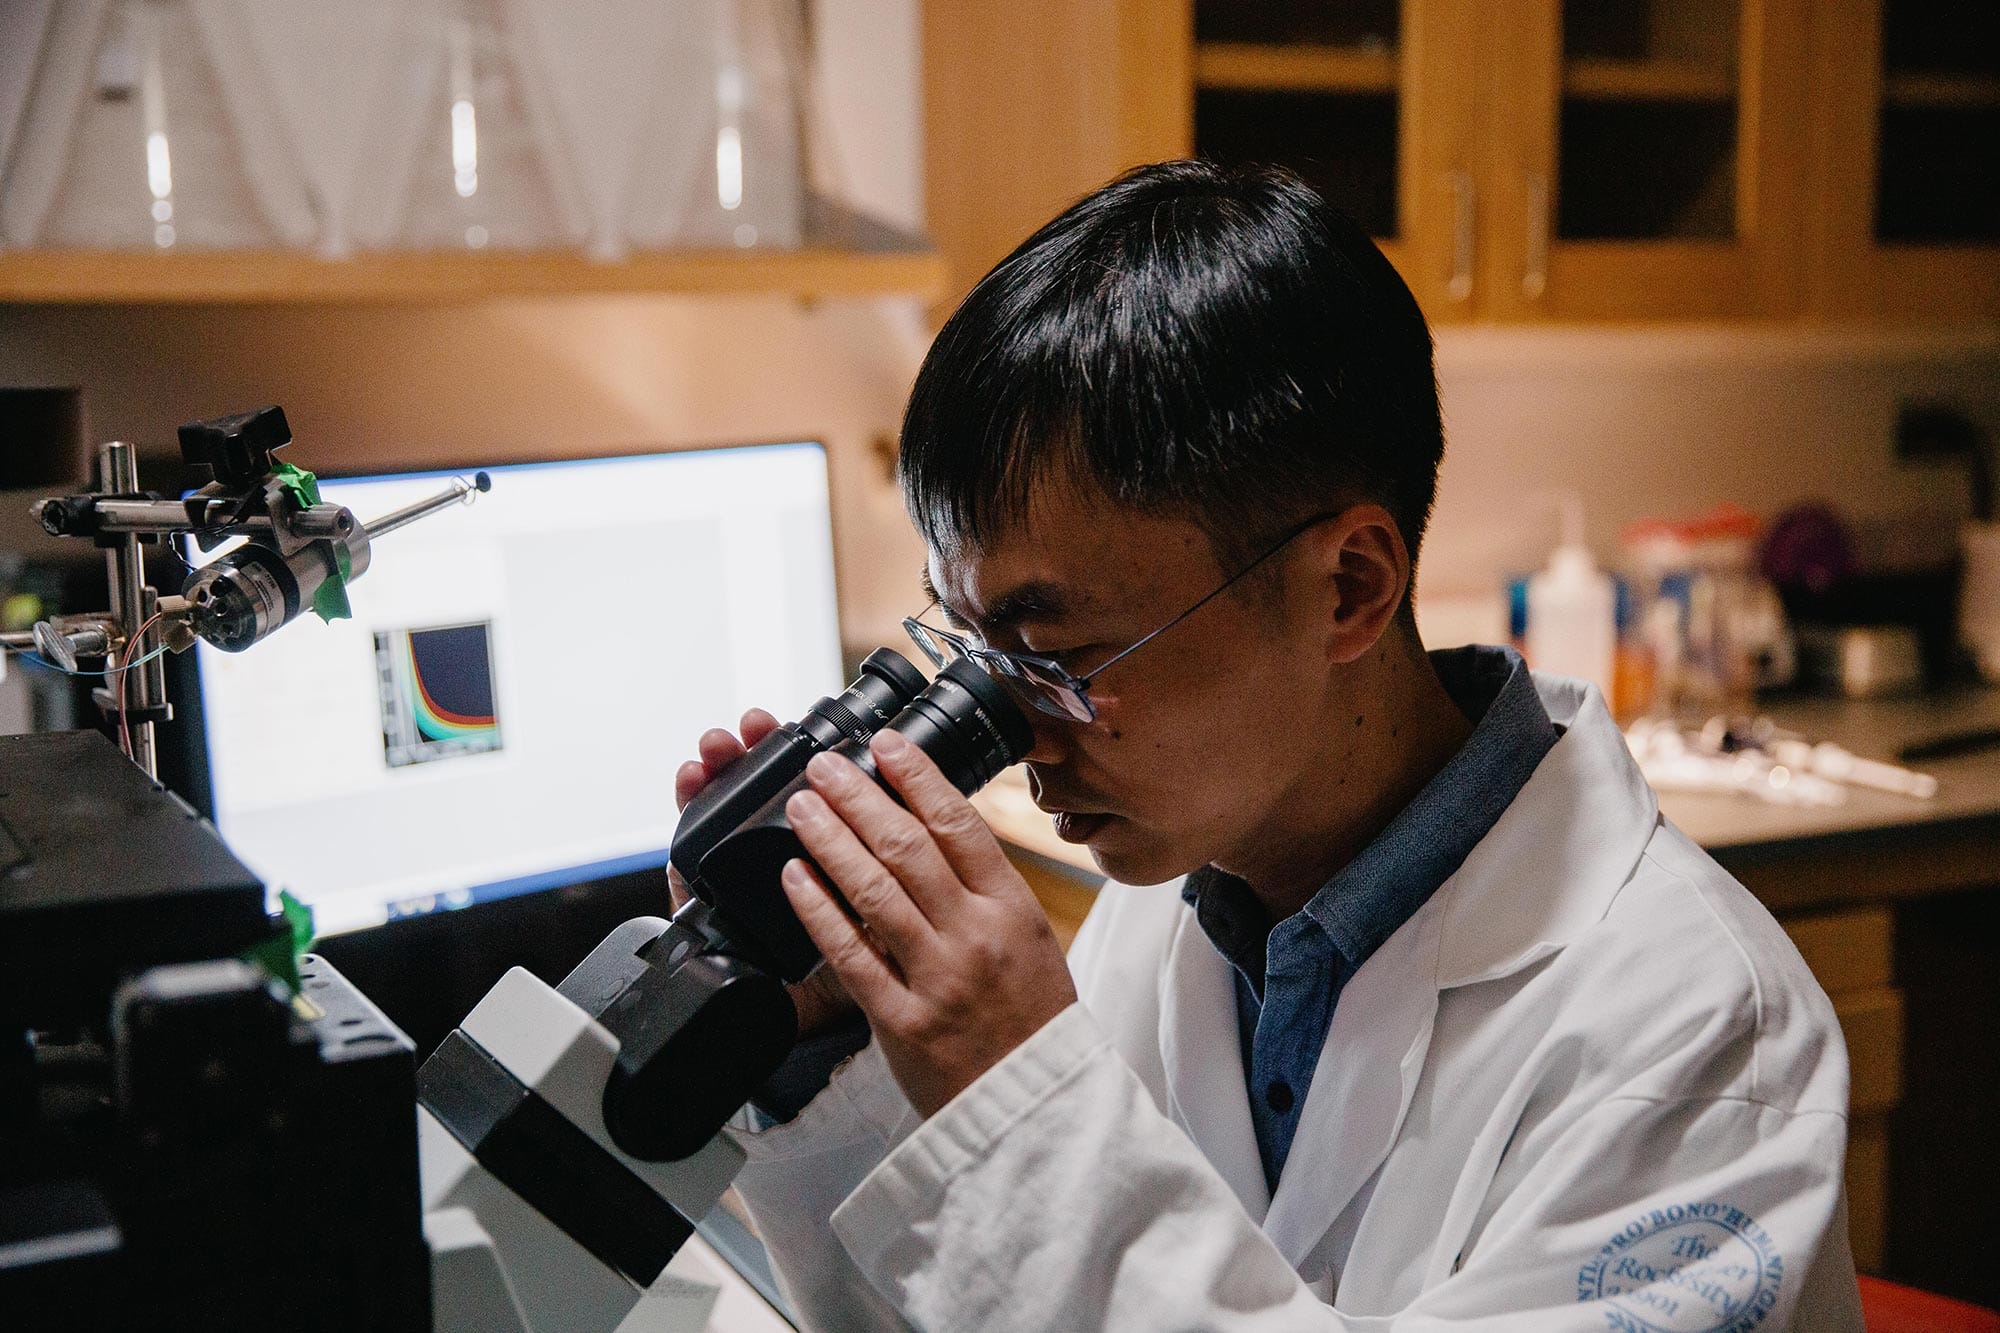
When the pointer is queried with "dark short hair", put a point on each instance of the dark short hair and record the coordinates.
(1218, 344)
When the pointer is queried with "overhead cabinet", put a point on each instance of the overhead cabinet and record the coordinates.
(1641, 160)
(1904, 215)
(1563, 159)
(1633, 158)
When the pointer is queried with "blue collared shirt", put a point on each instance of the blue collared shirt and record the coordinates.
(1287, 982)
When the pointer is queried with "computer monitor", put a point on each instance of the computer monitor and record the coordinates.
(521, 677)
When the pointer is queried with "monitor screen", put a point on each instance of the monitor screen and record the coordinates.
(521, 677)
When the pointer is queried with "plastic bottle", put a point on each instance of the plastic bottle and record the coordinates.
(1572, 610)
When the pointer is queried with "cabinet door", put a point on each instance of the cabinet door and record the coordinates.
(1644, 158)
(1905, 216)
(1373, 101)
(1031, 104)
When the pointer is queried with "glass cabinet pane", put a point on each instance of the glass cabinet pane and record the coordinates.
(1313, 87)
(1939, 146)
(1362, 23)
(1647, 146)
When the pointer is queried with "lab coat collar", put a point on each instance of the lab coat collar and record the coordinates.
(1558, 856)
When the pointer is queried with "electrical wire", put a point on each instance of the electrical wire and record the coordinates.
(131, 646)
(33, 658)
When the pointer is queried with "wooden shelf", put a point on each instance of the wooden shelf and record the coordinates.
(1321, 69)
(1966, 91)
(1647, 81)
(870, 259)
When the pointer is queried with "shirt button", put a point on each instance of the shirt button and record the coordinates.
(1278, 1096)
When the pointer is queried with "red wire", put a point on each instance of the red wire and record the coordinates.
(132, 647)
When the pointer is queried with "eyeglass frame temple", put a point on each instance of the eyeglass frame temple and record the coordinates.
(1082, 683)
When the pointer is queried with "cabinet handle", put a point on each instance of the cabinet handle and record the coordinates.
(1464, 219)
(1535, 277)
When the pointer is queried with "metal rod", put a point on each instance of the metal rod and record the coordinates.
(459, 492)
(118, 473)
(157, 518)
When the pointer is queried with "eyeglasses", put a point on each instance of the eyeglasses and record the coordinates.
(1042, 682)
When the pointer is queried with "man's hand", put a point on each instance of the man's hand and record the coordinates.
(819, 999)
(951, 957)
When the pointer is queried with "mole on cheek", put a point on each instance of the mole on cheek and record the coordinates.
(1117, 734)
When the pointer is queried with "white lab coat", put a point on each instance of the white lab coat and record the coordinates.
(1589, 1085)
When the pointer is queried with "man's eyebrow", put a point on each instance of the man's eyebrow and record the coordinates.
(1030, 601)
(1039, 600)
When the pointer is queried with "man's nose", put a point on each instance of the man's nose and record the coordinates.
(1052, 735)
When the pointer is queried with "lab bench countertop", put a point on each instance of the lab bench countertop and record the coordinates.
(1871, 847)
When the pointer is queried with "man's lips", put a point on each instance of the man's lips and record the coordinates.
(1074, 827)
(1074, 821)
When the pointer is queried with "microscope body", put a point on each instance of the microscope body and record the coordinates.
(536, 1219)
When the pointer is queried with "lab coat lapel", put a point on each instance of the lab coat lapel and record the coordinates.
(1361, 1089)
(1204, 1063)
(1553, 864)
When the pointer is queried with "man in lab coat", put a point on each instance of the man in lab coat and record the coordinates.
(1404, 1009)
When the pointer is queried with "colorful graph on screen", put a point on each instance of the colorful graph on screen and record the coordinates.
(438, 700)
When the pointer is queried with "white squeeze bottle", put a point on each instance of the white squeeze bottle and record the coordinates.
(1572, 610)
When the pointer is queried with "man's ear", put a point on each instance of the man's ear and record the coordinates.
(1361, 556)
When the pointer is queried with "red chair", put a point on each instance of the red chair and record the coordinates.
(1889, 1308)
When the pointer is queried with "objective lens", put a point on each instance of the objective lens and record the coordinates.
(242, 598)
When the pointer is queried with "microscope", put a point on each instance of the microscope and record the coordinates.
(579, 1124)
(203, 1127)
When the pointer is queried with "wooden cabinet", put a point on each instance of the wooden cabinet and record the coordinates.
(1852, 953)
(1375, 102)
(1643, 159)
(1538, 159)
(1030, 104)
(1543, 159)
(1905, 157)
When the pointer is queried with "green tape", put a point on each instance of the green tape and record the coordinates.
(279, 955)
(298, 483)
(330, 602)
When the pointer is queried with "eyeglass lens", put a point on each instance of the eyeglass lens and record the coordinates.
(1027, 682)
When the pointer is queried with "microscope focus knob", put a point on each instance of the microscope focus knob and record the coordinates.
(236, 448)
